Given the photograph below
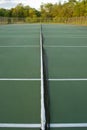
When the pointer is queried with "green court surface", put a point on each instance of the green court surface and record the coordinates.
(68, 101)
(17, 62)
(19, 35)
(20, 76)
(19, 101)
(67, 62)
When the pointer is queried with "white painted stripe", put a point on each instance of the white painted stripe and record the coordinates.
(18, 46)
(30, 79)
(70, 79)
(49, 46)
(69, 37)
(52, 125)
(19, 79)
(61, 125)
(43, 117)
(13, 125)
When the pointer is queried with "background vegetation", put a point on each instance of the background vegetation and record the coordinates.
(48, 12)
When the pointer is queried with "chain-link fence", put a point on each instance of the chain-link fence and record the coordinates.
(78, 20)
(74, 20)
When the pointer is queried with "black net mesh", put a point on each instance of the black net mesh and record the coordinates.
(46, 84)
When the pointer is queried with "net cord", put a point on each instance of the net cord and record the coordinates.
(43, 113)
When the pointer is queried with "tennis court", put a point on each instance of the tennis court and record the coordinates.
(20, 76)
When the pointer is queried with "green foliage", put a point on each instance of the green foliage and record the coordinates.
(72, 8)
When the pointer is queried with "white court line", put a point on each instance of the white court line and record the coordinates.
(52, 125)
(67, 37)
(17, 46)
(66, 125)
(70, 79)
(65, 46)
(19, 79)
(38, 79)
(14, 125)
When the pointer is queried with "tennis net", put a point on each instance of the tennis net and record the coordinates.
(45, 112)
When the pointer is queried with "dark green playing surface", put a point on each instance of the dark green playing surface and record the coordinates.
(66, 52)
